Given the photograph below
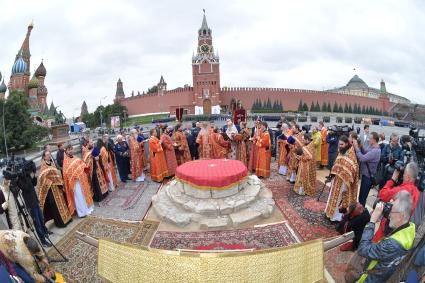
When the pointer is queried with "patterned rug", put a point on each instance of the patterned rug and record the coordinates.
(305, 214)
(129, 203)
(336, 263)
(274, 235)
(83, 257)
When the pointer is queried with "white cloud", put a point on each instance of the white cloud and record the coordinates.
(87, 45)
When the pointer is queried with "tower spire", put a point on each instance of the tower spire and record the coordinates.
(24, 51)
(204, 22)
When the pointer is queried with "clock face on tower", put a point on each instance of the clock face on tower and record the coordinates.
(205, 48)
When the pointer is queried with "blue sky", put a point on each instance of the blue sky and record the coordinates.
(88, 45)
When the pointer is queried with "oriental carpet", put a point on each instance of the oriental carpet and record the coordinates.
(261, 237)
(82, 264)
(129, 202)
(305, 214)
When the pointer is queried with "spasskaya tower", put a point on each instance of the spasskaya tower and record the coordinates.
(206, 73)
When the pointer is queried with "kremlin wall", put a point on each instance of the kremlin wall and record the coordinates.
(207, 97)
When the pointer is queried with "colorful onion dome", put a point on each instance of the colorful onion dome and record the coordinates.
(41, 71)
(33, 83)
(3, 87)
(19, 67)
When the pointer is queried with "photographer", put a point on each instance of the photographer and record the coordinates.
(390, 154)
(390, 189)
(383, 257)
(355, 219)
(368, 166)
(26, 182)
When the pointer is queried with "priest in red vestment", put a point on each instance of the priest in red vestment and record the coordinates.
(345, 183)
(51, 192)
(242, 140)
(324, 145)
(158, 165)
(220, 147)
(108, 160)
(137, 156)
(182, 147)
(77, 185)
(282, 159)
(96, 171)
(203, 140)
(255, 134)
(170, 155)
(295, 142)
(263, 144)
(305, 183)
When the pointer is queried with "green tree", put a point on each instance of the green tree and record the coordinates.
(350, 110)
(21, 132)
(324, 106)
(317, 107)
(300, 106)
(305, 107)
(335, 108)
(254, 106)
(268, 105)
(340, 109)
(363, 110)
(346, 108)
(312, 109)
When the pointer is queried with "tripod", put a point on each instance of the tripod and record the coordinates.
(328, 179)
(24, 216)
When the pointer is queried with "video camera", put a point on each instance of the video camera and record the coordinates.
(338, 131)
(16, 168)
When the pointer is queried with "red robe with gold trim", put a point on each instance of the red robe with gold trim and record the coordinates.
(50, 179)
(292, 159)
(203, 140)
(262, 168)
(158, 165)
(346, 171)
(108, 160)
(306, 175)
(219, 146)
(324, 147)
(182, 151)
(137, 158)
(170, 155)
(74, 169)
(242, 153)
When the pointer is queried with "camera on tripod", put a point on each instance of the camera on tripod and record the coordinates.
(386, 209)
(15, 169)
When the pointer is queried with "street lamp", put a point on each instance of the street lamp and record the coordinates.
(100, 111)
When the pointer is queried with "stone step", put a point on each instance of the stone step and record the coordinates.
(243, 216)
(214, 207)
(168, 211)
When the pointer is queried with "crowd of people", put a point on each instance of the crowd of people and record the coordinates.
(71, 185)
(370, 161)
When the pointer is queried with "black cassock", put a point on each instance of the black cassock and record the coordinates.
(122, 157)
